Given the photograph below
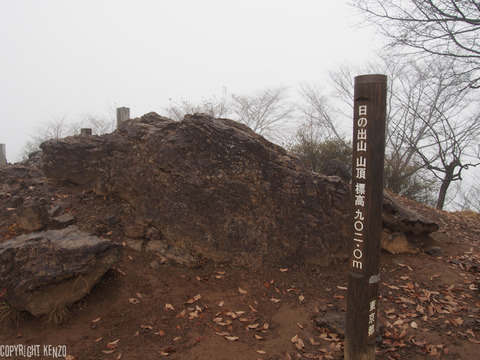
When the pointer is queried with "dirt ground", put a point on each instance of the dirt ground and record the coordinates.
(429, 308)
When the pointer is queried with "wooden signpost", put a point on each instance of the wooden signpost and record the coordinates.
(370, 95)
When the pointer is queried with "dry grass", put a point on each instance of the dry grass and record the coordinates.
(470, 213)
(9, 315)
(58, 315)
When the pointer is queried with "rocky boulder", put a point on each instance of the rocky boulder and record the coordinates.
(211, 187)
(336, 168)
(399, 218)
(46, 271)
(403, 228)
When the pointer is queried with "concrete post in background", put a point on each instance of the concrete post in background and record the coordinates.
(86, 131)
(3, 155)
(123, 114)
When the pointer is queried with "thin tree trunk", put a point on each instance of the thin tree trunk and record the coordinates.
(447, 180)
(442, 193)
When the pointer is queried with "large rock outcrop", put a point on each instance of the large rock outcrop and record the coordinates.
(46, 271)
(212, 187)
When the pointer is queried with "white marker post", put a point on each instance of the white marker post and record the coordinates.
(3, 155)
(123, 114)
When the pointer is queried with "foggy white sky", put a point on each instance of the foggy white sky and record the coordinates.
(72, 58)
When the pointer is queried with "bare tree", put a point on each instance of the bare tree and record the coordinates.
(445, 28)
(468, 199)
(315, 151)
(447, 148)
(431, 121)
(216, 106)
(318, 112)
(60, 127)
(98, 124)
(53, 129)
(267, 112)
(438, 125)
(403, 170)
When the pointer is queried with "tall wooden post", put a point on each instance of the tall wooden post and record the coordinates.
(3, 155)
(123, 114)
(370, 95)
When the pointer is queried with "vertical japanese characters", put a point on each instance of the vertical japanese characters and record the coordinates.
(369, 120)
(359, 184)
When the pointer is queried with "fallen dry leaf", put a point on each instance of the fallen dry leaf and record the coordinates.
(120, 271)
(222, 333)
(200, 339)
(167, 351)
(194, 299)
(112, 344)
(133, 300)
(219, 274)
(96, 320)
(169, 307)
(275, 300)
(160, 332)
(231, 314)
(459, 321)
(414, 325)
(300, 344)
(242, 291)
(231, 338)
(262, 352)
(420, 344)
(181, 314)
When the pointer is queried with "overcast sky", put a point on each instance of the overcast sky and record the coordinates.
(72, 58)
